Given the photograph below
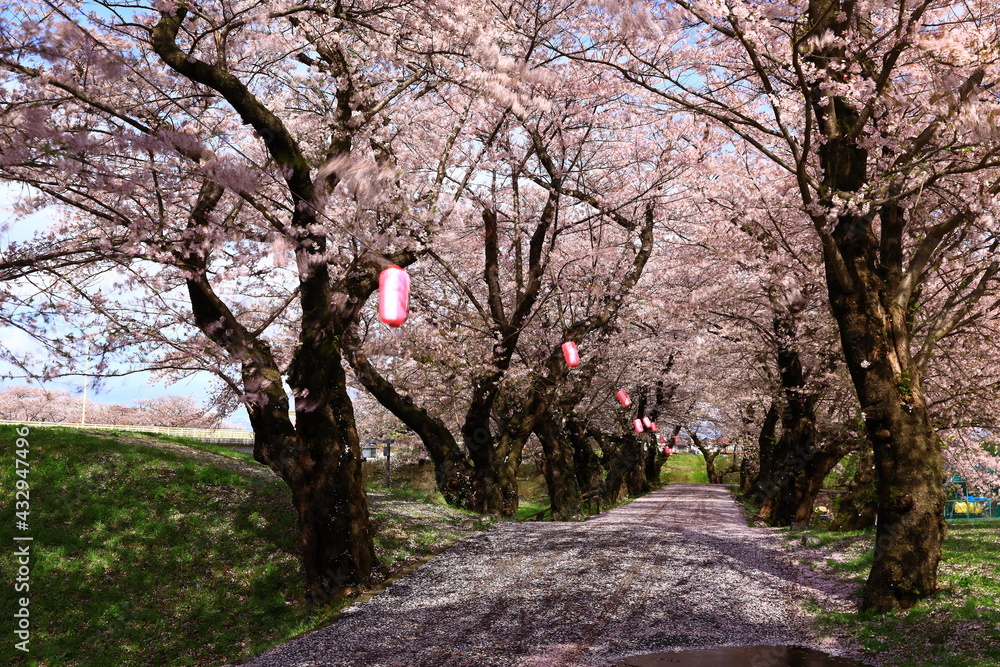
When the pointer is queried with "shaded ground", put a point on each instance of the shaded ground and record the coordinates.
(678, 568)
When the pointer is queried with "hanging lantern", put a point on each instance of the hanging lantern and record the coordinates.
(677, 438)
(393, 295)
(646, 422)
(663, 440)
(652, 426)
(668, 451)
(623, 398)
(638, 426)
(570, 353)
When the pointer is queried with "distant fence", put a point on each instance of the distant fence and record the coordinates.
(218, 436)
(980, 508)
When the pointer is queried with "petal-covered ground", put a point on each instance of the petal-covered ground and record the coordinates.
(678, 568)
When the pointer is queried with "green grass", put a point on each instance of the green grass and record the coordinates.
(146, 557)
(526, 507)
(684, 468)
(959, 627)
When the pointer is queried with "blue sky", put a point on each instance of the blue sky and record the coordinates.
(121, 390)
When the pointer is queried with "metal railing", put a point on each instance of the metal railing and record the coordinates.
(972, 509)
(212, 435)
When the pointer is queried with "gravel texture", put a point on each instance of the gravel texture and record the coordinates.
(676, 569)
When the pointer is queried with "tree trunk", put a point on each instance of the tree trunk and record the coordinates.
(488, 492)
(319, 458)
(908, 462)
(804, 485)
(715, 474)
(559, 469)
(857, 508)
(762, 486)
(337, 546)
(653, 464)
(585, 460)
(452, 471)
(626, 476)
(872, 303)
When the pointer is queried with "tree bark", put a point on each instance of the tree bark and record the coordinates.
(321, 462)
(858, 507)
(452, 470)
(585, 460)
(494, 485)
(329, 492)
(626, 476)
(319, 458)
(559, 469)
(870, 295)
(760, 487)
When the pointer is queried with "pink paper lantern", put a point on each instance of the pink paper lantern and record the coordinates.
(668, 451)
(677, 438)
(652, 427)
(623, 398)
(663, 440)
(570, 353)
(646, 422)
(638, 426)
(393, 295)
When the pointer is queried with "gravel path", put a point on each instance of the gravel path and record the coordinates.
(678, 568)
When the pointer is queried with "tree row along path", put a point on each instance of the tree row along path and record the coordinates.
(678, 568)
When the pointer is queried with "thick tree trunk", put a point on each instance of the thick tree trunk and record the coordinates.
(871, 302)
(559, 470)
(907, 454)
(653, 464)
(762, 486)
(337, 546)
(585, 460)
(626, 476)
(858, 507)
(908, 461)
(493, 491)
(800, 461)
(327, 481)
(803, 482)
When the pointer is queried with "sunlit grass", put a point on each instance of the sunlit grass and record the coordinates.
(959, 627)
(684, 468)
(145, 557)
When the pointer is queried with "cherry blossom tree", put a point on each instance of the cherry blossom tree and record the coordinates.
(881, 117)
(564, 191)
(35, 404)
(192, 151)
(57, 406)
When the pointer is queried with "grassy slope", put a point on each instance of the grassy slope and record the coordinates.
(146, 557)
(689, 468)
(960, 627)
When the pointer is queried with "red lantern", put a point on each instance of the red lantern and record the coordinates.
(663, 440)
(677, 438)
(646, 422)
(652, 426)
(393, 295)
(668, 451)
(638, 425)
(623, 398)
(570, 353)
